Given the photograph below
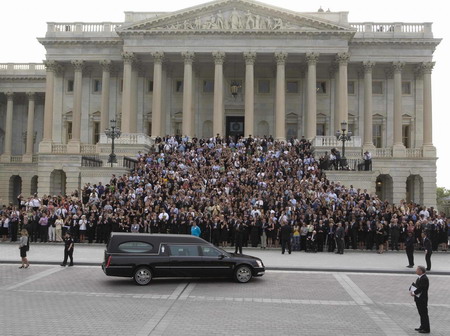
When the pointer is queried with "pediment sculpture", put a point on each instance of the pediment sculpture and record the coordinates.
(231, 20)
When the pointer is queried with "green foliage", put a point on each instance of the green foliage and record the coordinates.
(441, 194)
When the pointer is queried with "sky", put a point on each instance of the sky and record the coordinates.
(24, 21)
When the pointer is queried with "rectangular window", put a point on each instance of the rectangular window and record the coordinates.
(406, 136)
(69, 131)
(179, 86)
(406, 88)
(184, 250)
(264, 86)
(208, 86)
(149, 86)
(321, 87)
(70, 85)
(377, 87)
(149, 128)
(377, 135)
(351, 88)
(96, 132)
(292, 87)
(97, 86)
(320, 130)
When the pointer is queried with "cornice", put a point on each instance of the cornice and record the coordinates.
(400, 42)
(26, 77)
(76, 41)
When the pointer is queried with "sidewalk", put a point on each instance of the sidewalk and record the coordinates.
(350, 261)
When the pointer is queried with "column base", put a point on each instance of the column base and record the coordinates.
(45, 146)
(398, 150)
(429, 151)
(74, 147)
(5, 158)
(27, 158)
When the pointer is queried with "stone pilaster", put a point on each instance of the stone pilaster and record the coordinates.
(28, 157)
(250, 58)
(157, 125)
(280, 98)
(7, 152)
(398, 148)
(311, 109)
(368, 123)
(74, 144)
(218, 112)
(428, 149)
(188, 113)
(107, 67)
(342, 60)
(128, 59)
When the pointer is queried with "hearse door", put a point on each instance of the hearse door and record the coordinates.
(185, 260)
(216, 262)
(161, 263)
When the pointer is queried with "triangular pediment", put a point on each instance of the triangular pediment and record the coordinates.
(244, 16)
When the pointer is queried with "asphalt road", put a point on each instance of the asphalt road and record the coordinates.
(81, 300)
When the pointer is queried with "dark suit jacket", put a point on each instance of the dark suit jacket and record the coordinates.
(427, 244)
(422, 285)
(286, 231)
(340, 232)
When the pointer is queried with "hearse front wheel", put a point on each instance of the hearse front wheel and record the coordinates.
(243, 274)
(142, 276)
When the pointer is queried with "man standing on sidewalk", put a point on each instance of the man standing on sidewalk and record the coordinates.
(428, 249)
(340, 238)
(419, 290)
(68, 249)
(409, 247)
(285, 235)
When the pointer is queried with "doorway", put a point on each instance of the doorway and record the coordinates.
(235, 127)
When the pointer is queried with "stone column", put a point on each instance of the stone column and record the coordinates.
(104, 110)
(428, 149)
(74, 144)
(128, 59)
(311, 109)
(250, 58)
(188, 113)
(368, 124)
(342, 60)
(157, 125)
(218, 113)
(135, 71)
(46, 144)
(280, 99)
(8, 127)
(398, 148)
(28, 157)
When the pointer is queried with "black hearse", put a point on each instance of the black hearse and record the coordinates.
(145, 256)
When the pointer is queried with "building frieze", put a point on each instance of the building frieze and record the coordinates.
(399, 42)
(22, 78)
(75, 41)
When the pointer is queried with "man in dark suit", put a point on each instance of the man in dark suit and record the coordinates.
(285, 235)
(421, 298)
(409, 247)
(239, 236)
(428, 249)
(340, 233)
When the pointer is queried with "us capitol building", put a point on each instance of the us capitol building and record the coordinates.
(228, 67)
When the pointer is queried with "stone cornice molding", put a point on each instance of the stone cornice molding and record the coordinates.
(397, 67)
(107, 65)
(281, 57)
(312, 58)
(342, 58)
(78, 65)
(31, 96)
(368, 66)
(19, 77)
(399, 42)
(250, 57)
(188, 57)
(158, 57)
(74, 41)
(427, 67)
(219, 57)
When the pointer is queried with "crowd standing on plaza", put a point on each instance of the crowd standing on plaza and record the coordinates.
(231, 193)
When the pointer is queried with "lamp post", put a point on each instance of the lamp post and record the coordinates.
(112, 132)
(343, 135)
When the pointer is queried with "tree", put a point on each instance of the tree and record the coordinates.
(441, 194)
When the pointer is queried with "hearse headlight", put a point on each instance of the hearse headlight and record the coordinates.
(259, 263)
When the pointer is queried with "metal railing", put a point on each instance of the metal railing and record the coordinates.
(130, 163)
(91, 161)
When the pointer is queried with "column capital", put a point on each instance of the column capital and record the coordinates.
(188, 57)
(342, 58)
(9, 95)
(219, 57)
(52, 66)
(427, 67)
(107, 65)
(158, 57)
(31, 96)
(280, 57)
(368, 66)
(128, 57)
(398, 66)
(250, 57)
(78, 65)
(312, 58)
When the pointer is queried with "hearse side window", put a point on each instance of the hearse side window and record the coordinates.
(183, 250)
(136, 247)
(209, 251)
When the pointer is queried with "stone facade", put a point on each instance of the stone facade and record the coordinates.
(293, 74)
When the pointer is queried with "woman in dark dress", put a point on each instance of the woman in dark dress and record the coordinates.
(380, 237)
(254, 233)
(224, 233)
(361, 236)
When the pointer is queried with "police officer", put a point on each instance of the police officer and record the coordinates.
(68, 249)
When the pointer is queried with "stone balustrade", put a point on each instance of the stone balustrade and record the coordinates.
(59, 148)
(88, 149)
(393, 28)
(68, 28)
(382, 153)
(16, 159)
(22, 69)
(331, 141)
(129, 139)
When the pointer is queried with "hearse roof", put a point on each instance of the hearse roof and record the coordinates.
(157, 238)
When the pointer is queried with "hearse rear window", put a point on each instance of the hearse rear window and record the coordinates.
(136, 247)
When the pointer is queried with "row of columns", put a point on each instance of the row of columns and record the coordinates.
(129, 107)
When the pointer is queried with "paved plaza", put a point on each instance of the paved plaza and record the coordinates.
(371, 299)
